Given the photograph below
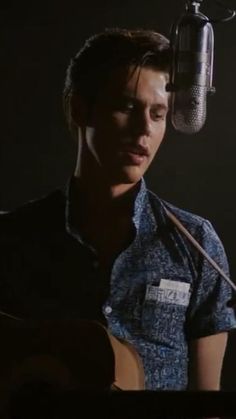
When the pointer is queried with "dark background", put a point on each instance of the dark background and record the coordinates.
(37, 40)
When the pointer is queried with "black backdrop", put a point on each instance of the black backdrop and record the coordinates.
(37, 40)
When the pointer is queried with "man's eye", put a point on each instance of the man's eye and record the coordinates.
(156, 116)
(159, 116)
(129, 106)
(126, 107)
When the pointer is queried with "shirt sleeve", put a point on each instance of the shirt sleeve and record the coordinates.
(208, 311)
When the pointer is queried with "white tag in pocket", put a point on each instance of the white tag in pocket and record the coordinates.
(169, 291)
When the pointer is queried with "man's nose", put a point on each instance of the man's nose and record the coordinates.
(143, 123)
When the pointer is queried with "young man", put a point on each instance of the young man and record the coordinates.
(107, 250)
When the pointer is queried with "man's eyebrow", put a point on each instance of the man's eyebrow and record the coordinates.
(134, 98)
(161, 106)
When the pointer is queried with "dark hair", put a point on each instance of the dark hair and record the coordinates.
(102, 53)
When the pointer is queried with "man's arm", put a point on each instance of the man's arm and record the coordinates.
(206, 360)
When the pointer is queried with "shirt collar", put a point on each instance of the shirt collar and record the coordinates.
(139, 203)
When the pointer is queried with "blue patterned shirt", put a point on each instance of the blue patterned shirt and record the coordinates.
(163, 293)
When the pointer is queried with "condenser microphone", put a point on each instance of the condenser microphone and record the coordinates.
(192, 42)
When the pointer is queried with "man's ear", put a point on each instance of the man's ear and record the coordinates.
(79, 110)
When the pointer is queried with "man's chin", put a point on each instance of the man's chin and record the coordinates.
(129, 176)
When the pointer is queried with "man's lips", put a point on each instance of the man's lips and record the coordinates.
(136, 149)
(134, 154)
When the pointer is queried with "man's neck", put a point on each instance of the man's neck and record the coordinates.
(104, 218)
(101, 197)
(96, 186)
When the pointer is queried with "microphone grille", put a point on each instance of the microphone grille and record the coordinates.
(189, 109)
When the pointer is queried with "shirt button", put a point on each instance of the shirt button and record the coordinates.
(108, 309)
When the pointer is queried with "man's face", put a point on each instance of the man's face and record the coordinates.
(128, 123)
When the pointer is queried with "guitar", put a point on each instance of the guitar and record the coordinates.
(65, 355)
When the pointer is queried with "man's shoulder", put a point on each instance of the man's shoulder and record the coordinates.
(45, 211)
(198, 226)
(188, 218)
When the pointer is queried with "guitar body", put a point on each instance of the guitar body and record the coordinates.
(129, 372)
(65, 355)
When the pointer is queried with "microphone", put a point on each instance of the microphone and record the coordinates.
(192, 42)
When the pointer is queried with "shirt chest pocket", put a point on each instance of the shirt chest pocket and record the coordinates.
(163, 315)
